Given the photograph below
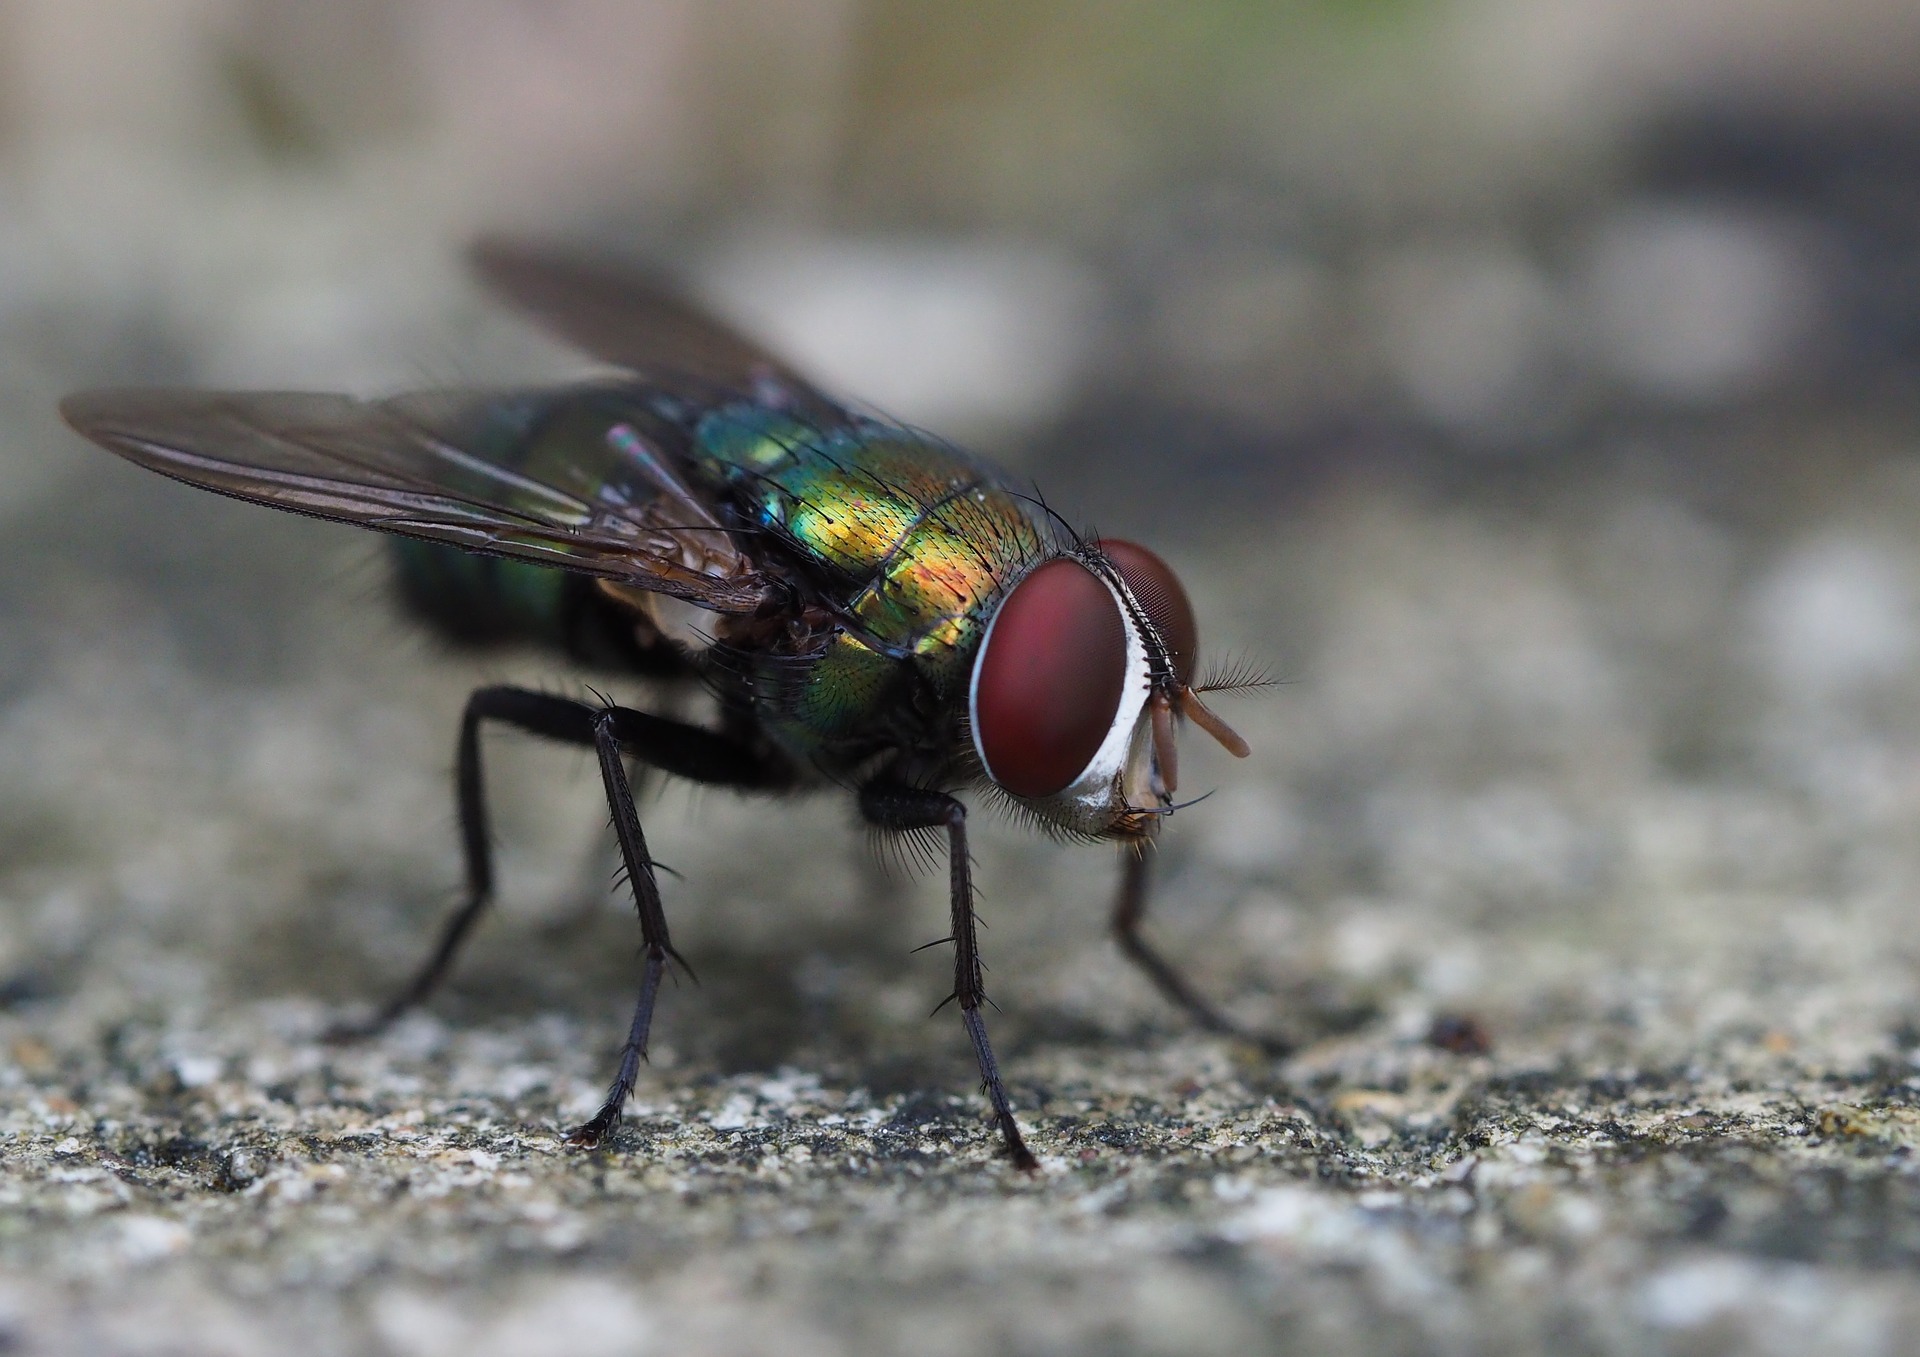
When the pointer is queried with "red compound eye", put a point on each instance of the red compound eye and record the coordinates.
(1048, 682)
(1158, 589)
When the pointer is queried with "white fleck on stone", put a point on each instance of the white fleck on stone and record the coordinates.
(291, 1186)
(570, 1317)
(197, 1071)
(1834, 615)
(1298, 1215)
(148, 1239)
(1098, 1200)
(85, 1174)
(1230, 1189)
(789, 1086)
(513, 1082)
(564, 1234)
(736, 1113)
(1696, 1291)
(1531, 1150)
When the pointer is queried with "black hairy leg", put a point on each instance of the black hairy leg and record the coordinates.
(891, 805)
(1129, 912)
(674, 747)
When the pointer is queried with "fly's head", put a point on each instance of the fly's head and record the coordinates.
(1084, 673)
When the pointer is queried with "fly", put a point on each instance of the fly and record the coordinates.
(872, 608)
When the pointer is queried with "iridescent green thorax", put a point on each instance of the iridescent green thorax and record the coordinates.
(917, 542)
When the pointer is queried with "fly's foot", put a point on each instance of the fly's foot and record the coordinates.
(592, 1135)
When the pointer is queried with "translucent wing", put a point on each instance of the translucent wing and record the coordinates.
(563, 477)
(627, 318)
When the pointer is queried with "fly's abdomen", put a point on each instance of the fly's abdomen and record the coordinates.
(557, 444)
(487, 601)
(480, 600)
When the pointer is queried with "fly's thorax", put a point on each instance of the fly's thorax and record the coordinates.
(830, 697)
(908, 544)
(914, 538)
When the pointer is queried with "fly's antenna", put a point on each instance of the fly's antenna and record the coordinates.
(1203, 716)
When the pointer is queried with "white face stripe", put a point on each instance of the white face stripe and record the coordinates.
(973, 686)
(1092, 792)
(1087, 801)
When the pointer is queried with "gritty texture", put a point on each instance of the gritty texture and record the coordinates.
(1577, 852)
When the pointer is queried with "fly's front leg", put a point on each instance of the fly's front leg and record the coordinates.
(894, 806)
(1129, 911)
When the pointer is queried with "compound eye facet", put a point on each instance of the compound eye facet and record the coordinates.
(1049, 679)
(1158, 589)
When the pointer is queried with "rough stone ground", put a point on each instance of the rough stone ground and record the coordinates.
(1617, 764)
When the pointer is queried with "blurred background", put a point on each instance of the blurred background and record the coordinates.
(1531, 384)
(1263, 230)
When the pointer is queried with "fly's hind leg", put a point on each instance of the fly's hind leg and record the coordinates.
(514, 707)
(674, 747)
(1129, 911)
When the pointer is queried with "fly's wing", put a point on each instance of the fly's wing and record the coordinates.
(561, 478)
(627, 318)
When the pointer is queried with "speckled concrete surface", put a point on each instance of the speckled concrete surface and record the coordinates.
(1621, 776)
